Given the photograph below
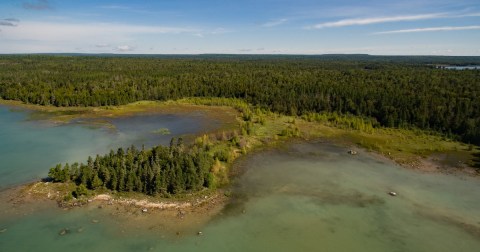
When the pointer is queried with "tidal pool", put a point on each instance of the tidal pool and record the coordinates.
(303, 197)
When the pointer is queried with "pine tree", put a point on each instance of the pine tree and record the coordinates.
(96, 182)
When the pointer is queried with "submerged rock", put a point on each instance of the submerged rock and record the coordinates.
(181, 214)
(3, 230)
(64, 231)
(95, 221)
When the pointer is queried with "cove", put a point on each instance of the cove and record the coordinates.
(30, 147)
(301, 197)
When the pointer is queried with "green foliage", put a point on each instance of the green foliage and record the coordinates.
(161, 170)
(261, 120)
(223, 155)
(343, 121)
(81, 190)
(398, 92)
(59, 174)
(96, 182)
(68, 197)
(290, 131)
(210, 182)
(247, 115)
(247, 128)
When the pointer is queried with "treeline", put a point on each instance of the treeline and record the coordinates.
(390, 90)
(162, 170)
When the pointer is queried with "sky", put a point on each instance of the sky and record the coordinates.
(378, 27)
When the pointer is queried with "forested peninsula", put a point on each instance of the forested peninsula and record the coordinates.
(270, 93)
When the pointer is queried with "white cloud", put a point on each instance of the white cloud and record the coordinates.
(102, 45)
(470, 15)
(386, 19)
(216, 31)
(273, 23)
(12, 22)
(50, 32)
(433, 29)
(46, 36)
(124, 48)
(375, 20)
(442, 52)
(219, 30)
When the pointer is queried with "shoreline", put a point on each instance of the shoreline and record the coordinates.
(56, 192)
(168, 217)
(188, 204)
(171, 217)
(270, 131)
(97, 116)
(429, 165)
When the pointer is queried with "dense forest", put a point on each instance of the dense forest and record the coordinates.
(395, 91)
(162, 170)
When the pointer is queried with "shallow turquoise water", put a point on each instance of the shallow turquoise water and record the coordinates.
(304, 197)
(29, 148)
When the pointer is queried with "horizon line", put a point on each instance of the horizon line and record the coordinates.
(241, 54)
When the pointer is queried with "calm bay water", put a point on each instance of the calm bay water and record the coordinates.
(304, 197)
(473, 67)
(29, 148)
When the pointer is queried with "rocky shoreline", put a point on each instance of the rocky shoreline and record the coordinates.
(146, 204)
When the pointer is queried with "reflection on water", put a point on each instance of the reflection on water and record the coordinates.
(306, 197)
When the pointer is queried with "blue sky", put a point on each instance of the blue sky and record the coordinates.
(387, 27)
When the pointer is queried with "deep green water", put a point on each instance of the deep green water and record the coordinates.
(304, 197)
